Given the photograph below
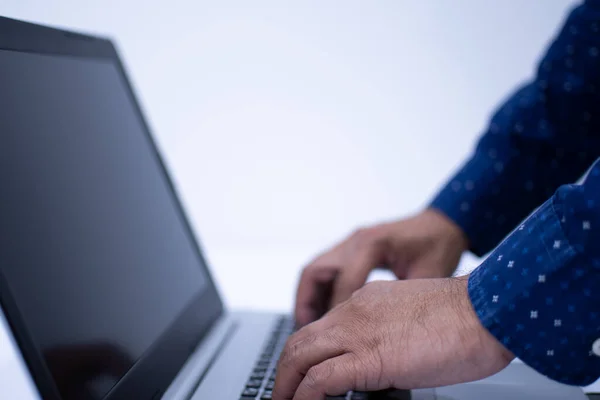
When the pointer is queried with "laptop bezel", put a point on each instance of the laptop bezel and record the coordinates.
(151, 375)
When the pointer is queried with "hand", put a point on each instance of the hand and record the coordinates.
(428, 245)
(401, 334)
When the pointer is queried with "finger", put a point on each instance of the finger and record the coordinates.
(334, 376)
(429, 267)
(313, 294)
(365, 252)
(352, 277)
(330, 320)
(299, 356)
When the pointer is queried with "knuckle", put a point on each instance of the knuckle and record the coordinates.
(361, 294)
(293, 348)
(289, 352)
(359, 232)
(356, 294)
(371, 287)
(356, 311)
(361, 303)
(308, 270)
(361, 291)
(305, 276)
(372, 239)
(337, 336)
(318, 375)
(314, 273)
(300, 335)
(363, 233)
(288, 355)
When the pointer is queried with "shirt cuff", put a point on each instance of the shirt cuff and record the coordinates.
(535, 294)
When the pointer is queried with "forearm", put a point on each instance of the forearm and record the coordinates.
(545, 135)
(537, 291)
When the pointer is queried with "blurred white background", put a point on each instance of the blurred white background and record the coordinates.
(287, 125)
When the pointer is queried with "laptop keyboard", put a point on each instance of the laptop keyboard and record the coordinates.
(262, 379)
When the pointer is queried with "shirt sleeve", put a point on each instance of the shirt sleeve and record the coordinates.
(538, 292)
(544, 136)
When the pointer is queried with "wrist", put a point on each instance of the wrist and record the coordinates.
(482, 350)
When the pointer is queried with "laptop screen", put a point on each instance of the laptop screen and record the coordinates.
(93, 248)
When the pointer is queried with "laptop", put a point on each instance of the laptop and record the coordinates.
(102, 281)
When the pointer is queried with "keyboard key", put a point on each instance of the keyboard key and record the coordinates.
(250, 392)
(263, 364)
(270, 353)
(267, 395)
(254, 383)
(359, 396)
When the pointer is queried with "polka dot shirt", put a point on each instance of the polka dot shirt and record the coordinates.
(538, 292)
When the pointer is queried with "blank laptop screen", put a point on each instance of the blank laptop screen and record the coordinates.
(92, 245)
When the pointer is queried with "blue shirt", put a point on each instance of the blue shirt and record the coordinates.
(538, 292)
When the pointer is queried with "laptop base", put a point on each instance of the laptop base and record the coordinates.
(229, 353)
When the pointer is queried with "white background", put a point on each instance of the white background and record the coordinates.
(287, 125)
